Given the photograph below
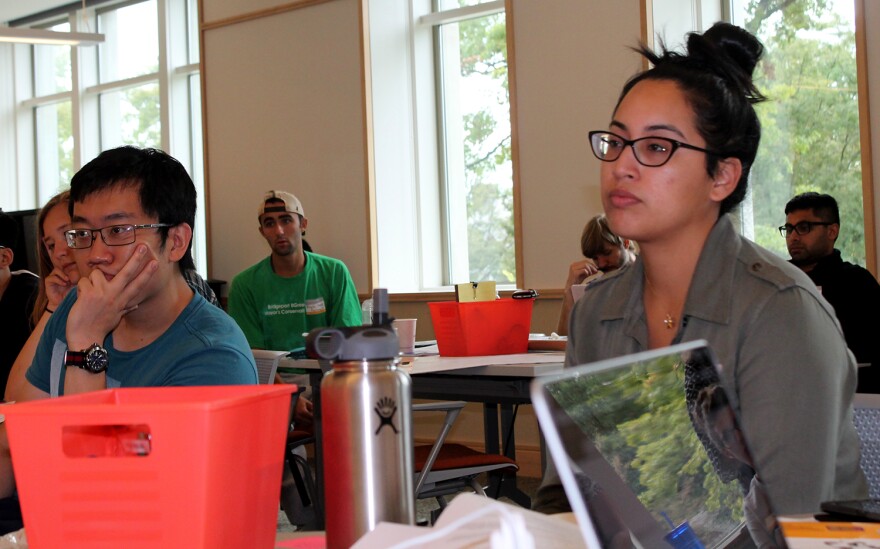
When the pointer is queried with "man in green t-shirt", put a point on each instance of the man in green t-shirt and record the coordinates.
(292, 291)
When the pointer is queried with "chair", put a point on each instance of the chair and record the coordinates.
(267, 364)
(866, 418)
(300, 505)
(443, 469)
(440, 469)
(304, 512)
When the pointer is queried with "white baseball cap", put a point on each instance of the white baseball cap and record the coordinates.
(291, 204)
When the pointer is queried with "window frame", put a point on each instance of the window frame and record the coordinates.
(705, 12)
(408, 186)
(180, 109)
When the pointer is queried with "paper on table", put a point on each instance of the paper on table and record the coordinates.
(577, 290)
(811, 534)
(475, 291)
(426, 350)
(471, 521)
(430, 364)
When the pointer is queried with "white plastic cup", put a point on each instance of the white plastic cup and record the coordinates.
(367, 312)
(406, 334)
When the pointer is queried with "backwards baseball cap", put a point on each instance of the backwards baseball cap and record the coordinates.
(290, 204)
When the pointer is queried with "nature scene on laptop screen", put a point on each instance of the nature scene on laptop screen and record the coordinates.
(666, 429)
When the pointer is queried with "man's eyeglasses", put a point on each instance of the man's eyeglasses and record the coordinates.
(114, 235)
(649, 151)
(803, 227)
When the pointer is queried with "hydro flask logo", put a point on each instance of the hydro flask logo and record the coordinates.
(385, 409)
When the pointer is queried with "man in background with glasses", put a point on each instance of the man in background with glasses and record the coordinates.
(812, 225)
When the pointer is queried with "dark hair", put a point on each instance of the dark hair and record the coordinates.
(165, 190)
(45, 264)
(716, 77)
(8, 231)
(823, 205)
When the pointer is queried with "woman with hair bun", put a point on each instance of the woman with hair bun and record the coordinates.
(675, 160)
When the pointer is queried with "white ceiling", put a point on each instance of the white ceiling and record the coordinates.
(15, 9)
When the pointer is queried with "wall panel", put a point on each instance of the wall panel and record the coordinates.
(284, 110)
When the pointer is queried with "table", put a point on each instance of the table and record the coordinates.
(498, 382)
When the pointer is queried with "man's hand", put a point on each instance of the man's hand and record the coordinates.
(303, 414)
(58, 285)
(101, 303)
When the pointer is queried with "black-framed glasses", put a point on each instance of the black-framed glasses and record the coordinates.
(649, 151)
(802, 227)
(114, 235)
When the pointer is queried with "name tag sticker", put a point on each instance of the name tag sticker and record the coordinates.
(315, 306)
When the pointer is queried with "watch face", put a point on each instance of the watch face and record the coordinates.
(96, 359)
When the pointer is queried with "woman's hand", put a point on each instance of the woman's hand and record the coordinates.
(58, 285)
(579, 271)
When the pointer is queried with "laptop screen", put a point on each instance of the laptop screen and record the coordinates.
(649, 447)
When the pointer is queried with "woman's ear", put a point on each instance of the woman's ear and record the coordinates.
(727, 174)
(178, 240)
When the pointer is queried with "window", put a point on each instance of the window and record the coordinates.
(439, 77)
(128, 65)
(70, 103)
(54, 148)
(132, 41)
(52, 118)
(809, 67)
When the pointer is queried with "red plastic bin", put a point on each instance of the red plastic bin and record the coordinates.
(193, 467)
(499, 327)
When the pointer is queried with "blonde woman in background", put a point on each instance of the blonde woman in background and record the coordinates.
(604, 252)
(58, 274)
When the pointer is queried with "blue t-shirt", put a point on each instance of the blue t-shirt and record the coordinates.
(203, 346)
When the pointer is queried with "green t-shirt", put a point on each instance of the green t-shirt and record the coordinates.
(274, 312)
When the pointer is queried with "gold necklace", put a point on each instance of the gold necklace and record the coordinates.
(668, 320)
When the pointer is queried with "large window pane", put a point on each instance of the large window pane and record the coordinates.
(810, 139)
(111, 96)
(52, 66)
(476, 137)
(131, 117)
(197, 172)
(192, 31)
(132, 41)
(54, 148)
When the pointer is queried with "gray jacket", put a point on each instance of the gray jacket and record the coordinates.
(782, 353)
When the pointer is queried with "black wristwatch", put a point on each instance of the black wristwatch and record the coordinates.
(94, 359)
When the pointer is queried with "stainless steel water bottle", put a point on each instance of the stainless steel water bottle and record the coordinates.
(366, 403)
